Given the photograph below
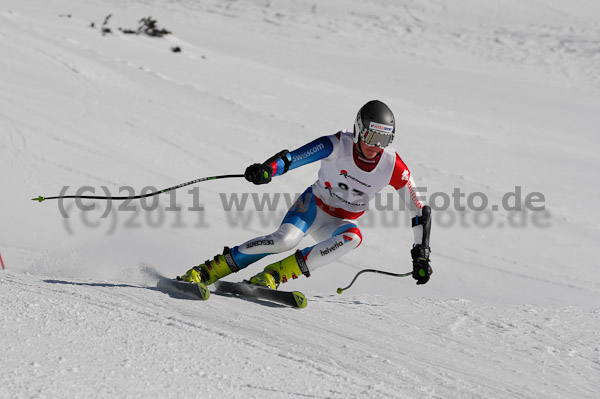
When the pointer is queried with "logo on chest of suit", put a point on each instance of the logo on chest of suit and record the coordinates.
(347, 176)
(346, 194)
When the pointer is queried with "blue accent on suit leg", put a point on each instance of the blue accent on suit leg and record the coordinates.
(244, 260)
(304, 211)
(302, 215)
(345, 227)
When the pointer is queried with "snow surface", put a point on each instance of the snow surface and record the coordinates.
(487, 95)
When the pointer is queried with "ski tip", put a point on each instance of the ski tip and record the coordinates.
(39, 199)
(300, 299)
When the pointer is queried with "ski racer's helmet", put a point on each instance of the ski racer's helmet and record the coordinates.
(375, 124)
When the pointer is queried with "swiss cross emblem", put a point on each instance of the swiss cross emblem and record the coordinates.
(405, 175)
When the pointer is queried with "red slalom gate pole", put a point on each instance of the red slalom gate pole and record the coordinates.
(1, 261)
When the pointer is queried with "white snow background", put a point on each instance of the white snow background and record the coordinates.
(488, 96)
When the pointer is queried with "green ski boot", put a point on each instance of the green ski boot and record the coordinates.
(212, 270)
(280, 272)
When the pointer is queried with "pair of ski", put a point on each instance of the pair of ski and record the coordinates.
(244, 289)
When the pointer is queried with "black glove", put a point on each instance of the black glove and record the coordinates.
(421, 268)
(259, 173)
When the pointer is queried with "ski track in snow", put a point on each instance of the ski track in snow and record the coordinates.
(499, 95)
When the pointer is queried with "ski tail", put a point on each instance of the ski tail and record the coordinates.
(195, 290)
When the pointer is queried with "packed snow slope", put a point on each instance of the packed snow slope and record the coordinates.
(493, 102)
(71, 338)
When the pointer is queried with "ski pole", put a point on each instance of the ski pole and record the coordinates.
(340, 290)
(41, 198)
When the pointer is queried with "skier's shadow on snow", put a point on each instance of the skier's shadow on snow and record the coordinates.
(106, 285)
(165, 287)
(162, 286)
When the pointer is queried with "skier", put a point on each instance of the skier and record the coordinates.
(354, 168)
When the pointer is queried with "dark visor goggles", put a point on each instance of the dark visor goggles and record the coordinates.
(379, 134)
(374, 137)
